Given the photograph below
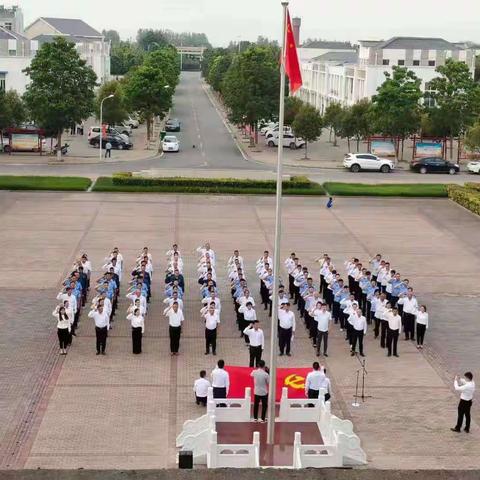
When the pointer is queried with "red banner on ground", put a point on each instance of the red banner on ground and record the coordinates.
(292, 378)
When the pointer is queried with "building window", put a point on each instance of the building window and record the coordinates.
(12, 53)
(416, 63)
(401, 62)
(385, 62)
(431, 63)
(2, 82)
(8, 26)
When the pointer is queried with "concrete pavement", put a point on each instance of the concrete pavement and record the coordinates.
(123, 411)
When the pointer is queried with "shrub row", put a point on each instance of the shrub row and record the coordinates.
(386, 189)
(467, 197)
(13, 182)
(124, 183)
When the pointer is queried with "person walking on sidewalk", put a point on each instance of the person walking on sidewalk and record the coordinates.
(466, 386)
(108, 150)
(260, 390)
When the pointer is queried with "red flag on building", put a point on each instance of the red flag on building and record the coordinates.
(292, 66)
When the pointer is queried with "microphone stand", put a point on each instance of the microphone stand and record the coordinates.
(364, 374)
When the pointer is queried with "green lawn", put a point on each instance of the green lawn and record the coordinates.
(387, 189)
(10, 182)
(106, 184)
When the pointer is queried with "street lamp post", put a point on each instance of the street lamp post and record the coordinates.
(101, 125)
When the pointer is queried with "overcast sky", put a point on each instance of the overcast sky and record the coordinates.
(224, 20)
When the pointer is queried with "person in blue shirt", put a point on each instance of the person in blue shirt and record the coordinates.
(364, 283)
(370, 292)
(397, 288)
(329, 203)
(337, 288)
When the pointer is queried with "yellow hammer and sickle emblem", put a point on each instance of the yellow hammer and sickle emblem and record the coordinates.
(295, 381)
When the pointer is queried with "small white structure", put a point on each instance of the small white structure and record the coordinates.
(341, 446)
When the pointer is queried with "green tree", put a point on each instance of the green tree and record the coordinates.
(125, 56)
(293, 105)
(114, 110)
(361, 113)
(147, 91)
(12, 109)
(61, 89)
(149, 39)
(472, 138)
(112, 36)
(333, 119)
(209, 56)
(396, 106)
(166, 61)
(308, 124)
(251, 85)
(218, 69)
(457, 97)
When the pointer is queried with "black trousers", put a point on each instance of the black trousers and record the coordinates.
(201, 400)
(357, 337)
(420, 333)
(349, 329)
(383, 333)
(322, 336)
(101, 334)
(376, 328)
(256, 403)
(255, 355)
(291, 286)
(284, 339)
(108, 152)
(464, 411)
(392, 340)
(175, 333)
(211, 340)
(63, 337)
(336, 312)
(408, 325)
(137, 340)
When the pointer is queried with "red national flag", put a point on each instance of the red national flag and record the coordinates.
(292, 378)
(292, 66)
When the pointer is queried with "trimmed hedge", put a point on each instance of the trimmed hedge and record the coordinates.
(386, 189)
(473, 186)
(12, 182)
(125, 182)
(467, 197)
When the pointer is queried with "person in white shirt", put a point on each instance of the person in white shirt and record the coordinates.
(235, 258)
(256, 342)
(410, 307)
(322, 318)
(291, 264)
(386, 309)
(169, 301)
(200, 387)
(138, 329)
(220, 381)
(102, 325)
(313, 381)
(394, 329)
(247, 315)
(359, 330)
(212, 320)
(466, 386)
(422, 325)
(326, 385)
(63, 328)
(175, 320)
(286, 329)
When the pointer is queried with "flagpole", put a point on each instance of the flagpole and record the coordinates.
(276, 252)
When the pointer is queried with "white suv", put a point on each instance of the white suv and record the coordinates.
(273, 132)
(474, 166)
(367, 161)
(289, 140)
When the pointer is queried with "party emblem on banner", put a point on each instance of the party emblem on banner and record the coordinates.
(295, 381)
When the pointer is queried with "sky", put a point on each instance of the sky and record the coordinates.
(225, 20)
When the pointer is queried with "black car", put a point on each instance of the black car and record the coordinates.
(434, 165)
(116, 141)
(172, 125)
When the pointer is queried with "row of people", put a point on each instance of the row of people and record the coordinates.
(72, 298)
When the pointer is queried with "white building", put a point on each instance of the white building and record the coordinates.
(347, 77)
(16, 53)
(11, 18)
(91, 44)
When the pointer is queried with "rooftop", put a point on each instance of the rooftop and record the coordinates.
(414, 43)
(10, 35)
(339, 57)
(327, 44)
(72, 26)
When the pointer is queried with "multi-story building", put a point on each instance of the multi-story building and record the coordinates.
(347, 77)
(11, 18)
(16, 53)
(90, 44)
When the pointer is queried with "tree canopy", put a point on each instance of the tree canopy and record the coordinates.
(12, 109)
(61, 90)
(125, 56)
(308, 124)
(114, 109)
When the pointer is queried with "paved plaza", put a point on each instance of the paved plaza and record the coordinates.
(124, 411)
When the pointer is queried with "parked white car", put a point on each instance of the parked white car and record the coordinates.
(170, 144)
(474, 166)
(273, 132)
(131, 122)
(125, 129)
(268, 126)
(289, 140)
(95, 132)
(367, 161)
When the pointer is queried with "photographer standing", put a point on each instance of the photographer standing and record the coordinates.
(466, 386)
